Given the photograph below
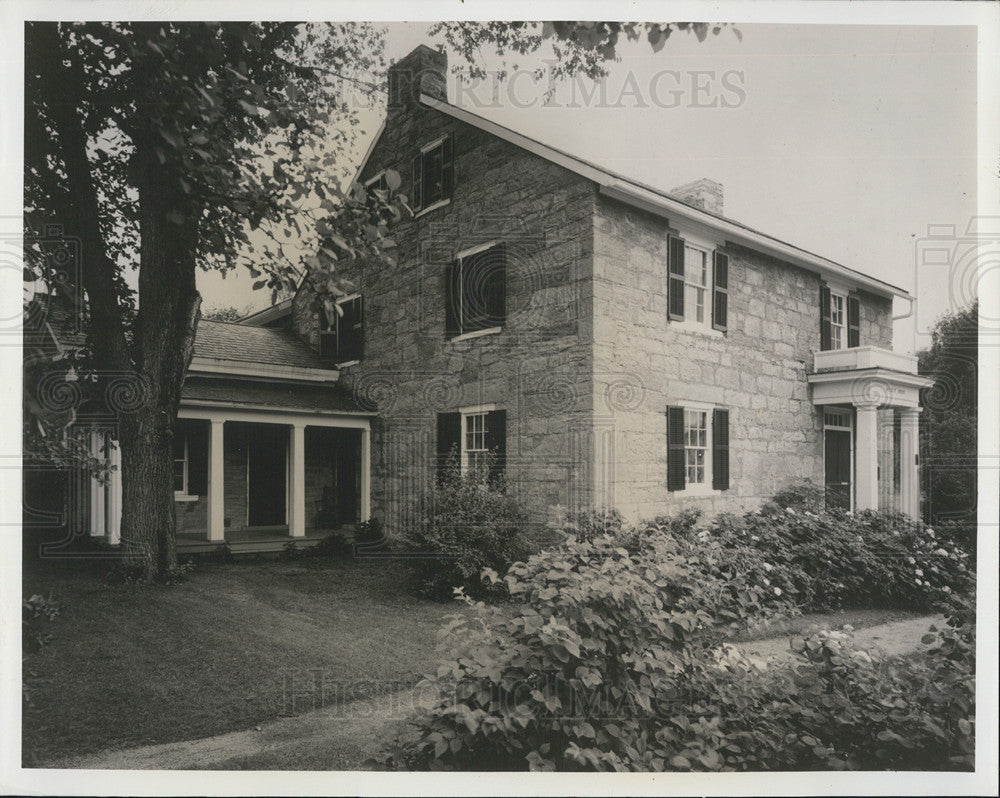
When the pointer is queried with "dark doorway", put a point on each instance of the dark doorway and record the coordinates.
(267, 457)
(838, 469)
(339, 452)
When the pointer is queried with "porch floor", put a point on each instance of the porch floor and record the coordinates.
(253, 541)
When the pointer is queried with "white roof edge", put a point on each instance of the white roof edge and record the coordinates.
(268, 313)
(239, 368)
(616, 188)
(209, 403)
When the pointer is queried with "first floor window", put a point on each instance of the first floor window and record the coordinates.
(341, 335)
(474, 448)
(469, 437)
(180, 462)
(697, 448)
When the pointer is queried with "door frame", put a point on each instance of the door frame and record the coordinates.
(848, 413)
(287, 472)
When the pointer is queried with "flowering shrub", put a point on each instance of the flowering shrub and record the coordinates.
(474, 525)
(866, 559)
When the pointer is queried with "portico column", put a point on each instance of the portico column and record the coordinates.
(909, 448)
(297, 482)
(366, 474)
(97, 490)
(866, 458)
(216, 482)
(114, 519)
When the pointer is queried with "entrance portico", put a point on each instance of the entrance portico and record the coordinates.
(866, 380)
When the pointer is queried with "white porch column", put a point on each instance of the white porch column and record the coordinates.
(909, 448)
(97, 518)
(366, 474)
(866, 458)
(216, 482)
(297, 482)
(114, 519)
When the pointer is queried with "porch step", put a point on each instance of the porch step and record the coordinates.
(276, 544)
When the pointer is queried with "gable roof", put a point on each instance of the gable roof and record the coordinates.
(241, 343)
(661, 203)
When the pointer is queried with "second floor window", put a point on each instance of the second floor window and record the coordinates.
(476, 291)
(341, 339)
(697, 285)
(839, 319)
(433, 174)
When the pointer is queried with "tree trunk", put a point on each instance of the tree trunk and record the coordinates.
(169, 307)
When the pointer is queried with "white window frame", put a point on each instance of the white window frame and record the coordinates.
(342, 364)
(373, 180)
(707, 448)
(701, 488)
(705, 287)
(475, 411)
(459, 257)
(694, 240)
(183, 495)
(838, 332)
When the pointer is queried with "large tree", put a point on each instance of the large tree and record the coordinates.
(949, 418)
(167, 147)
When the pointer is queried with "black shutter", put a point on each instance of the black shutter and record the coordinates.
(853, 321)
(449, 441)
(720, 449)
(351, 334)
(496, 441)
(447, 167)
(720, 292)
(474, 289)
(197, 438)
(452, 299)
(415, 200)
(824, 318)
(675, 448)
(496, 287)
(675, 274)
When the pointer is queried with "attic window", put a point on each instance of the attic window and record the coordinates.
(433, 172)
(341, 340)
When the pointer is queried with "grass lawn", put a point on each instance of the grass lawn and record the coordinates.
(130, 666)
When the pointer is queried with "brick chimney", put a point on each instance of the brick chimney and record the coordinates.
(421, 72)
(705, 194)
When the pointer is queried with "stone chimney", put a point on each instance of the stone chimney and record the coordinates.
(421, 72)
(705, 194)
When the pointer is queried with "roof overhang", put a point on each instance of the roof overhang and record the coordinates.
(618, 188)
(874, 387)
(207, 366)
(267, 315)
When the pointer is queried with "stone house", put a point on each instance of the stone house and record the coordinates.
(615, 345)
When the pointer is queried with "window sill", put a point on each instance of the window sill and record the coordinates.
(697, 491)
(184, 497)
(695, 327)
(432, 207)
(347, 363)
(476, 334)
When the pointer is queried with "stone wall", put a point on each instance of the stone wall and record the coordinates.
(537, 369)
(757, 369)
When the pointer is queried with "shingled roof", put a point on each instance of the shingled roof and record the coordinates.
(309, 398)
(221, 340)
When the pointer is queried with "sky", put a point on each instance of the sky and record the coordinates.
(846, 140)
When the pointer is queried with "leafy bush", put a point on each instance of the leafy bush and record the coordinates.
(473, 525)
(801, 496)
(867, 559)
(36, 613)
(604, 666)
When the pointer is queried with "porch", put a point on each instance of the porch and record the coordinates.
(254, 480)
(871, 409)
